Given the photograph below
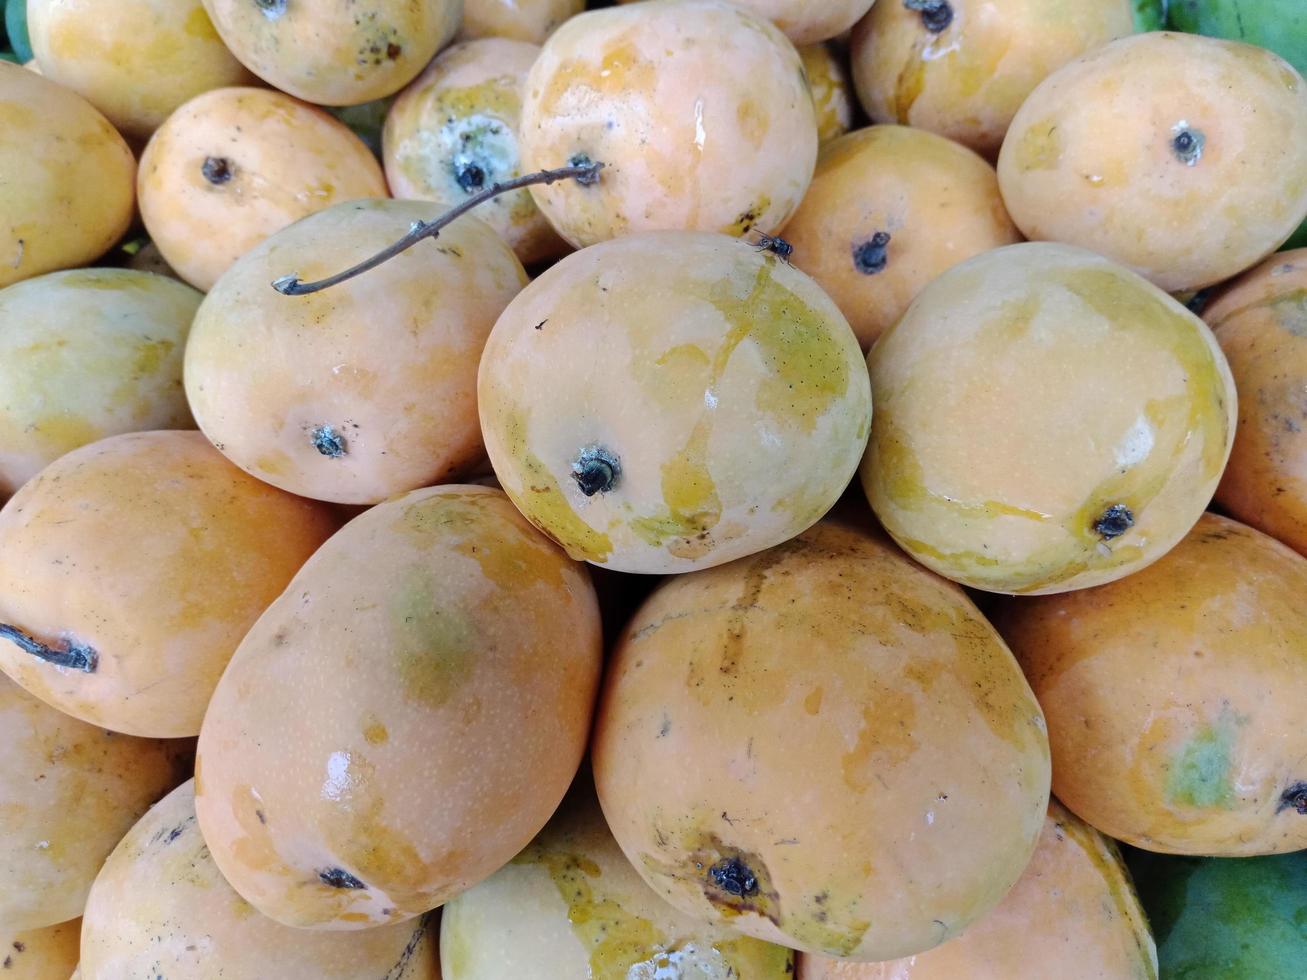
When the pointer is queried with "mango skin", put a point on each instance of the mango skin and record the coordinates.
(386, 361)
(698, 109)
(68, 792)
(336, 54)
(462, 111)
(380, 687)
(832, 90)
(136, 62)
(1025, 394)
(570, 905)
(936, 200)
(1219, 918)
(1260, 321)
(1073, 915)
(86, 354)
(969, 80)
(1173, 695)
(725, 383)
(280, 160)
(40, 954)
(68, 192)
(834, 722)
(159, 906)
(159, 554)
(517, 20)
(1091, 158)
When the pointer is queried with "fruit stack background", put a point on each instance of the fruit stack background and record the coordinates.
(855, 532)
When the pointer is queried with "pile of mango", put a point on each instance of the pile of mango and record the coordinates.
(843, 517)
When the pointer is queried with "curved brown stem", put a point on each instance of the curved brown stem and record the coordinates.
(76, 657)
(583, 169)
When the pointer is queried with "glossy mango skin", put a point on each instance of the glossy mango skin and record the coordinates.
(1073, 915)
(333, 53)
(1092, 159)
(967, 81)
(156, 552)
(1173, 695)
(832, 91)
(234, 165)
(159, 906)
(136, 62)
(1260, 321)
(86, 354)
(937, 202)
(1046, 420)
(456, 125)
(363, 390)
(698, 109)
(570, 905)
(68, 792)
(723, 382)
(422, 693)
(40, 954)
(800, 745)
(68, 194)
(517, 20)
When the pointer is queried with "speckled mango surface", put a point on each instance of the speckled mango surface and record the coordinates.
(889, 209)
(68, 792)
(336, 53)
(1173, 695)
(1182, 157)
(40, 954)
(1074, 915)
(67, 193)
(802, 744)
(453, 132)
(1260, 321)
(723, 385)
(234, 165)
(363, 390)
(85, 354)
(160, 907)
(570, 905)
(699, 110)
(1047, 353)
(445, 657)
(153, 552)
(135, 61)
(963, 70)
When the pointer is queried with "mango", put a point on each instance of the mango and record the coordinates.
(698, 109)
(832, 91)
(801, 745)
(67, 193)
(68, 792)
(570, 905)
(420, 697)
(160, 907)
(129, 571)
(1046, 420)
(1173, 695)
(1182, 157)
(672, 400)
(517, 20)
(40, 954)
(363, 390)
(86, 354)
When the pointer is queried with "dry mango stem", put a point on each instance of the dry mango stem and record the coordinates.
(580, 168)
(76, 657)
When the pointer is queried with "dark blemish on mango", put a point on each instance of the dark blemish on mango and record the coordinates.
(936, 15)
(733, 880)
(76, 656)
(470, 177)
(1294, 798)
(665, 727)
(263, 818)
(400, 969)
(584, 160)
(871, 256)
(596, 469)
(1187, 144)
(733, 876)
(217, 170)
(340, 878)
(1114, 522)
(272, 9)
(329, 442)
(393, 51)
